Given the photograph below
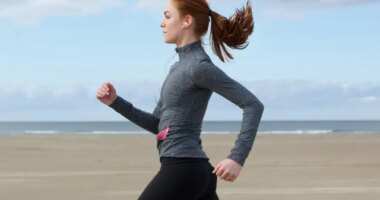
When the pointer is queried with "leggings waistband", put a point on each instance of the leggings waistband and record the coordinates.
(181, 160)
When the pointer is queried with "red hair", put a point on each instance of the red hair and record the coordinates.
(232, 32)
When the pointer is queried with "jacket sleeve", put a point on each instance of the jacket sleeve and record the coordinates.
(139, 117)
(207, 75)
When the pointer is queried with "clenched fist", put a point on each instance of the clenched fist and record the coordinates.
(227, 170)
(106, 93)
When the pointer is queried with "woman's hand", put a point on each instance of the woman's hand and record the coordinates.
(227, 170)
(106, 93)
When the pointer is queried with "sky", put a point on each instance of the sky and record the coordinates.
(306, 60)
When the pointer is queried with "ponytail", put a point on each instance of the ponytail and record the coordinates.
(233, 31)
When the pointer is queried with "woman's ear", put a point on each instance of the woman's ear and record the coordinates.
(185, 25)
(188, 21)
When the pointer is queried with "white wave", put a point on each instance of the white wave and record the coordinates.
(297, 132)
(117, 132)
(219, 132)
(103, 132)
(41, 131)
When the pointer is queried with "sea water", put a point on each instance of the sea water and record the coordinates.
(208, 127)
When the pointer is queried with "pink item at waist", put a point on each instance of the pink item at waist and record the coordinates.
(162, 134)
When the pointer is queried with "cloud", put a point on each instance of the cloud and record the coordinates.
(149, 4)
(369, 99)
(302, 93)
(272, 9)
(156, 4)
(283, 100)
(297, 9)
(29, 12)
(301, 99)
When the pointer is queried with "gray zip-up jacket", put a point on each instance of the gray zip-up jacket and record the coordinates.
(184, 96)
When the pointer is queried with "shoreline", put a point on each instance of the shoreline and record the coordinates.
(208, 133)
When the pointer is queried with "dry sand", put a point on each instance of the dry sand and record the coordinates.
(118, 167)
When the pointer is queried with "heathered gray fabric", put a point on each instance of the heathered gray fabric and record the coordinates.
(184, 97)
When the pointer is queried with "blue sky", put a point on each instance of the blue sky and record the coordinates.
(306, 60)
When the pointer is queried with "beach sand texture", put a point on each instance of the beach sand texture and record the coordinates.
(118, 167)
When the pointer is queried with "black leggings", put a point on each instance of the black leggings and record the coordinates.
(182, 179)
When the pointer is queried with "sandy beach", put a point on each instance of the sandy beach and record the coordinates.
(118, 167)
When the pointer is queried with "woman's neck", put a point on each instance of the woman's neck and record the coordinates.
(186, 41)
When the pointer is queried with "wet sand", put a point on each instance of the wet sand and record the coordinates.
(116, 167)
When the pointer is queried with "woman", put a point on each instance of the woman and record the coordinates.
(186, 173)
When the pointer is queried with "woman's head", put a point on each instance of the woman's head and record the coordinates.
(187, 20)
(179, 22)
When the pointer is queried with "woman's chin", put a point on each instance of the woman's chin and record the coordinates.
(167, 41)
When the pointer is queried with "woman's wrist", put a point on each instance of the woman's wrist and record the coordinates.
(114, 102)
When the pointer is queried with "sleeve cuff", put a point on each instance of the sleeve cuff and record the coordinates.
(237, 159)
(119, 103)
(115, 102)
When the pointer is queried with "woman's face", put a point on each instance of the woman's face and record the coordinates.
(171, 24)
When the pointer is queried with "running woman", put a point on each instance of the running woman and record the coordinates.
(185, 172)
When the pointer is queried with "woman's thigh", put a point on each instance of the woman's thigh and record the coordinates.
(210, 193)
(187, 181)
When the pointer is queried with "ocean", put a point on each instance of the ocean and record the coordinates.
(209, 127)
